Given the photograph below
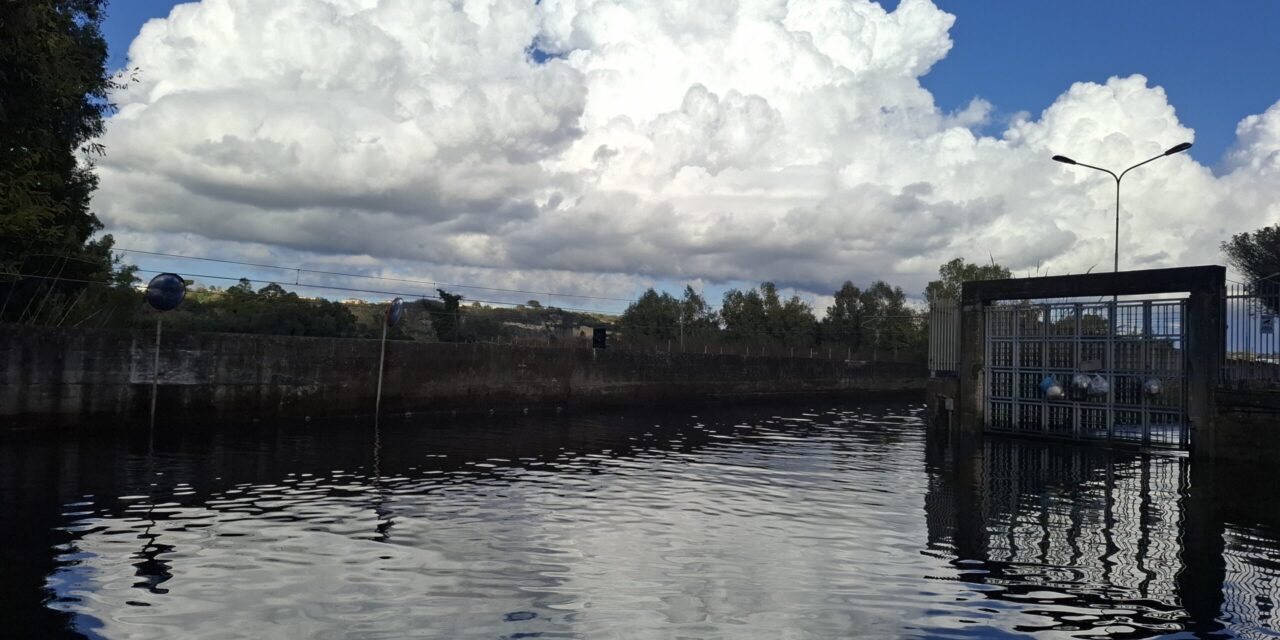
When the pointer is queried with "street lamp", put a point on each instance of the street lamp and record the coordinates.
(1172, 150)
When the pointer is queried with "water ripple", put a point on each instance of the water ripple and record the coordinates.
(810, 523)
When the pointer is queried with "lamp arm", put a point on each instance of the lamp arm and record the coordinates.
(1106, 171)
(1138, 165)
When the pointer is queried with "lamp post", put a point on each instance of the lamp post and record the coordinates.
(1172, 150)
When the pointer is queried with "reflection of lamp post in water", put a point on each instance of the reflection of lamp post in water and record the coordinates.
(1172, 150)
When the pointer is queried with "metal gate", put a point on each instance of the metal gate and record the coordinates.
(1107, 370)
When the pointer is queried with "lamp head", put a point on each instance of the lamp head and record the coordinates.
(1178, 148)
(1064, 160)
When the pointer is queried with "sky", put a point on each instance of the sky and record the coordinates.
(598, 147)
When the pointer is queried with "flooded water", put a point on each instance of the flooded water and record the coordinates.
(772, 522)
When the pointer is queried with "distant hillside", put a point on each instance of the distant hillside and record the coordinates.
(481, 323)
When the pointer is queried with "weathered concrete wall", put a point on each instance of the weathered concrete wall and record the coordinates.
(1247, 426)
(943, 398)
(74, 376)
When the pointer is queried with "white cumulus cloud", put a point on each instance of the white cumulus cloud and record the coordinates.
(581, 142)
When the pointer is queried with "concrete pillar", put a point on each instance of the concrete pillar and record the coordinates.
(1206, 343)
(973, 334)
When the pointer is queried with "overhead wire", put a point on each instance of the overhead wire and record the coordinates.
(304, 285)
(557, 294)
(641, 325)
(371, 277)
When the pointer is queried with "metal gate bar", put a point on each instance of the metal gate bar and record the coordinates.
(1135, 347)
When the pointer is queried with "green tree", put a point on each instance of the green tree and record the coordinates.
(1256, 255)
(888, 321)
(697, 317)
(743, 315)
(954, 273)
(53, 97)
(269, 310)
(655, 316)
(761, 316)
(843, 322)
(446, 315)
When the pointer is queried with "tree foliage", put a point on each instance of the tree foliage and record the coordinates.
(446, 315)
(758, 316)
(269, 310)
(661, 316)
(53, 97)
(955, 273)
(856, 314)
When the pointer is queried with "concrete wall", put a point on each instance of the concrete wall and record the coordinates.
(73, 376)
(1247, 426)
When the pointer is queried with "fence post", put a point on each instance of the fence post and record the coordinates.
(382, 359)
(155, 371)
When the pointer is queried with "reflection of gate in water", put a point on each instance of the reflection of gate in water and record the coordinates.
(1120, 366)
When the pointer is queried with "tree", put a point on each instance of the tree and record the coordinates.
(697, 318)
(653, 315)
(957, 272)
(887, 317)
(743, 315)
(1256, 255)
(445, 315)
(53, 97)
(843, 322)
(762, 316)
(269, 310)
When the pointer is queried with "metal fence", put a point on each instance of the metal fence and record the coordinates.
(1118, 369)
(944, 337)
(1253, 336)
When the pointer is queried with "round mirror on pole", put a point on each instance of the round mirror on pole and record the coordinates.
(395, 312)
(166, 291)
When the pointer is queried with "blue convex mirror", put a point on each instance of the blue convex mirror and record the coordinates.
(395, 312)
(166, 291)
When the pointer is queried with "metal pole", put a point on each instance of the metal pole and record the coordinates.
(155, 371)
(377, 407)
(1116, 267)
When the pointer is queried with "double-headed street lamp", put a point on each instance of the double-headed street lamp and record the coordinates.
(1172, 150)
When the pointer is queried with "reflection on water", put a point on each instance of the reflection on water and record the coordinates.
(777, 522)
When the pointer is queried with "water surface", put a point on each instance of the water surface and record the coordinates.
(770, 522)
